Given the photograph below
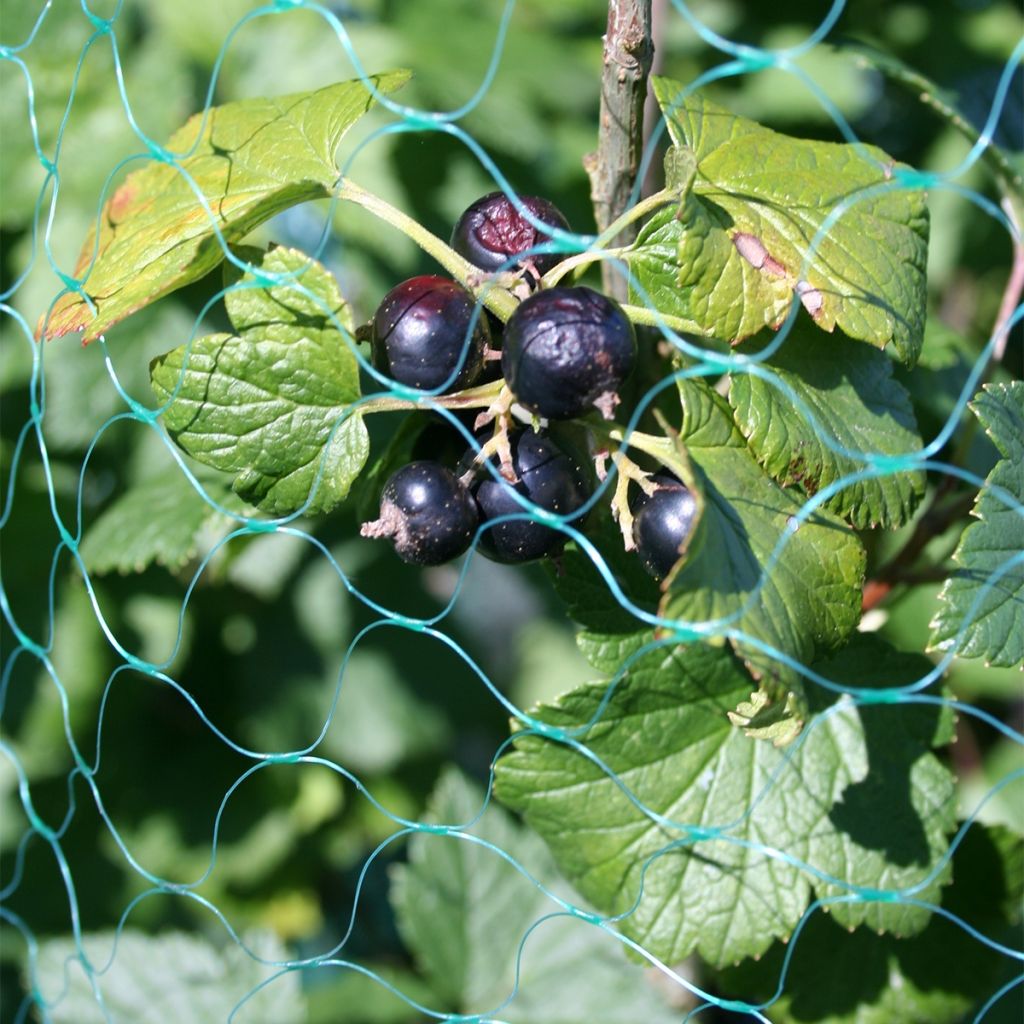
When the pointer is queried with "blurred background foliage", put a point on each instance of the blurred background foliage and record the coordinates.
(264, 634)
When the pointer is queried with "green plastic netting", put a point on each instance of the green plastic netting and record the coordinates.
(178, 759)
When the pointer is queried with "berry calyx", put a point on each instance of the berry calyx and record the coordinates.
(567, 350)
(547, 476)
(419, 334)
(428, 513)
(491, 232)
(662, 523)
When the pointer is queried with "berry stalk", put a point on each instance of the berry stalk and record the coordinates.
(497, 299)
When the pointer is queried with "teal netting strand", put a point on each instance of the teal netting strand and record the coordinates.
(48, 837)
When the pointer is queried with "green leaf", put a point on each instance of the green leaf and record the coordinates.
(161, 519)
(760, 718)
(263, 403)
(736, 248)
(611, 633)
(385, 724)
(849, 389)
(654, 261)
(992, 628)
(804, 604)
(680, 170)
(174, 976)
(665, 736)
(249, 160)
(351, 997)
(463, 910)
(935, 977)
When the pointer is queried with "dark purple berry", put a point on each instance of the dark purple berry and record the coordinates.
(492, 232)
(662, 523)
(428, 513)
(567, 350)
(420, 331)
(548, 477)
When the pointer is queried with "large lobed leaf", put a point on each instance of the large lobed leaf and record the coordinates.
(807, 601)
(173, 976)
(733, 255)
(464, 912)
(979, 617)
(269, 404)
(849, 389)
(862, 798)
(249, 160)
(934, 977)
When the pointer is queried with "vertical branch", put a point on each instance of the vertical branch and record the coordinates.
(628, 52)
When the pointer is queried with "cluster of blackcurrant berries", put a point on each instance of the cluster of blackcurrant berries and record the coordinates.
(563, 352)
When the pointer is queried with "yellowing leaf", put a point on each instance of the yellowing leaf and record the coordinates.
(241, 164)
(745, 239)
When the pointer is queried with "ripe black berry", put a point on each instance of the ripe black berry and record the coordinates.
(662, 523)
(420, 330)
(548, 477)
(567, 349)
(492, 231)
(428, 512)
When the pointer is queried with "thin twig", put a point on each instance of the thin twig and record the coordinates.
(900, 568)
(628, 52)
(1011, 181)
(480, 397)
(483, 286)
(1014, 285)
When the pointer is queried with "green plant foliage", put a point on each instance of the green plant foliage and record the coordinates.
(464, 912)
(161, 519)
(609, 633)
(174, 976)
(862, 798)
(848, 387)
(737, 247)
(707, 794)
(935, 977)
(804, 603)
(991, 617)
(248, 160)
(268, 403)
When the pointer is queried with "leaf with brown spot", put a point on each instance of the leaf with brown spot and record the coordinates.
(744, 239)
(248, 160)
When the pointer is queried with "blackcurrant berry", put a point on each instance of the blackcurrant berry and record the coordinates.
(428, 513)
(548, 477)
(567, 350)
(420, 330)
(662, 523)
(492, 231)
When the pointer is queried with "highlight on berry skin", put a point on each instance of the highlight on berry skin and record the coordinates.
(567, 351)
(546, 475)
(421, 334)
(662, 523)
(427, 512)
